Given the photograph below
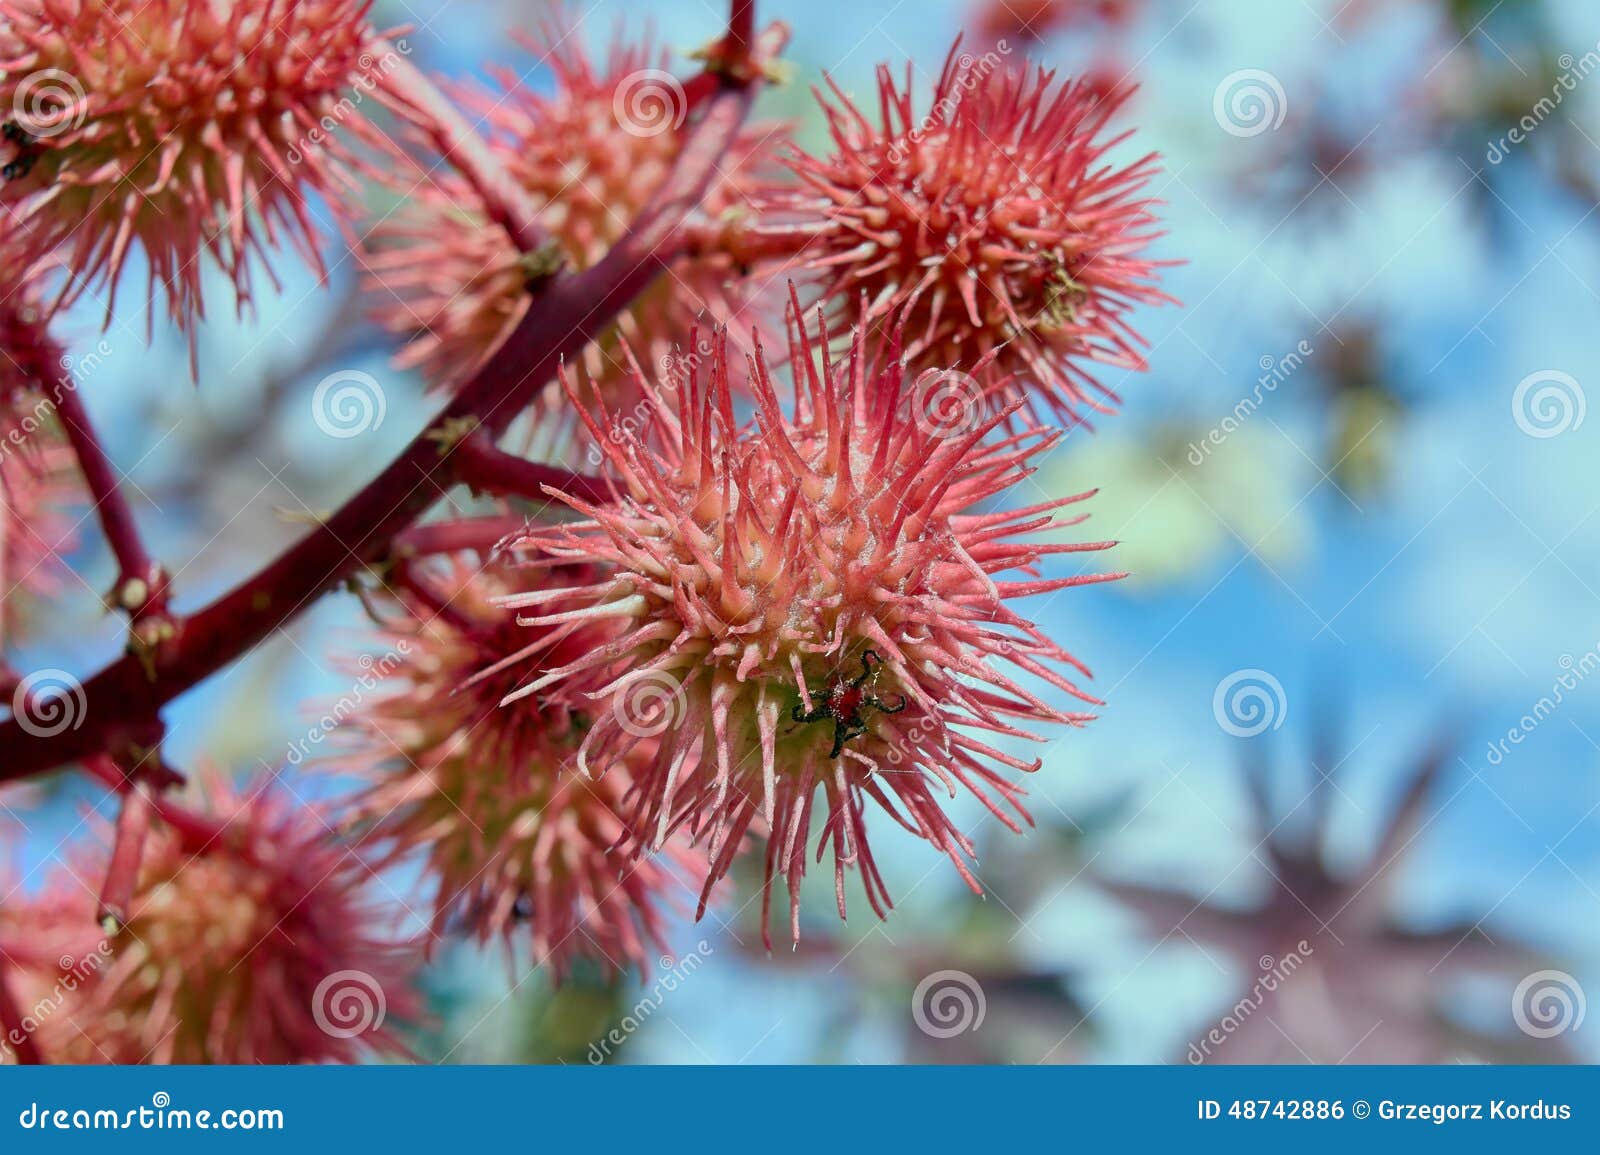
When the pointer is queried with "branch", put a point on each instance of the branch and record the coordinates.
(127, 855)
(141, 587)
(197, 830)
(748, 243)
(488, 469)
(457, 534)
(570, 312)
(507, 203)
(742, 26)
(738, 56)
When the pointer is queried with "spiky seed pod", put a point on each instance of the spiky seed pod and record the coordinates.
(192, 128)
(522, 848)
(812, 601)
(48, 954)
(252, 945)
(590, 155)
(996, 226)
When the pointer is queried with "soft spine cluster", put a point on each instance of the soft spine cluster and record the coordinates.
(181, 125)
(520, 844)
(996, 228)
(812, 601)
(792, 577)
(588, 157)
(251, 936)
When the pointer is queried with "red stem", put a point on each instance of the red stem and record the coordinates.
(127, 852)
(134, 563)
(570, 312)
(455, 535)
(742, 26)
(491, 470)
(747, 243)
(434, 601)
(197, 830)
(505, 201)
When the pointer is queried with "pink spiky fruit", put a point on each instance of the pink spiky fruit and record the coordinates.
(810, 602)
(522, 849)
(189, 128)
(590, 155)
(249, 941)
(996, 228)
